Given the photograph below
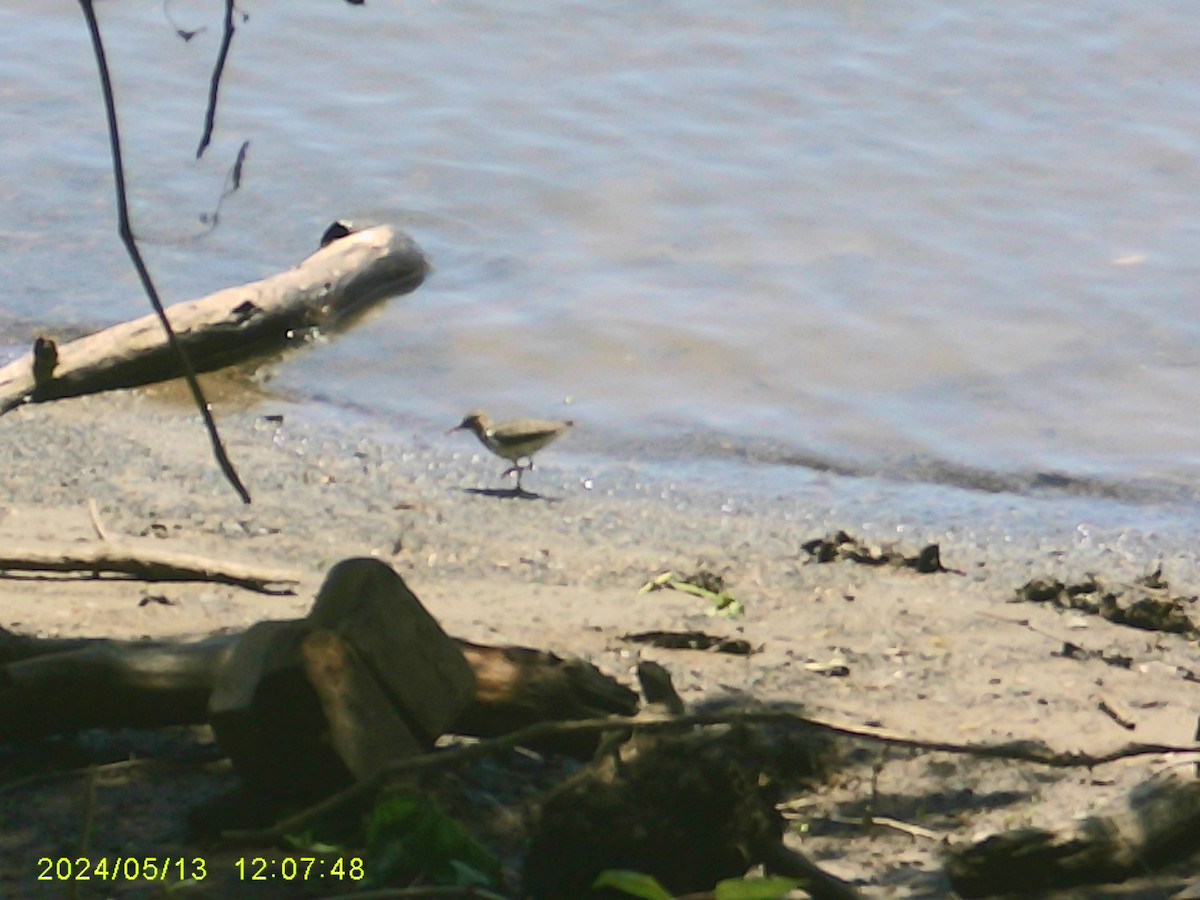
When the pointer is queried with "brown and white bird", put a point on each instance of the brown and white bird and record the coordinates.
(514, 441)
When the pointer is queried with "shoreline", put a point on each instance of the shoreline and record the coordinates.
(940, 656)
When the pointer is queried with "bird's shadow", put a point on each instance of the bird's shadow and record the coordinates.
(513, 493)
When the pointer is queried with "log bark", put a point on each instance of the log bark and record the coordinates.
(104, 684)
(224, 328)
(520, 686)
(57, 685)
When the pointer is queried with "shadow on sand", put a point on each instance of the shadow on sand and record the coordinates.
(513, 493)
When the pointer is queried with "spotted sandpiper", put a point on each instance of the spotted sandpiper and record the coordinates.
(514, 441)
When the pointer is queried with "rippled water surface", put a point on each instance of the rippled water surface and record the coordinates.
(949, 242)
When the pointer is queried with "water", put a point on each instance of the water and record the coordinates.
(943, 243)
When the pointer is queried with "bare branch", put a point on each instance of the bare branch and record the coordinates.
(214, 85)
(233, 181)
(125, 230)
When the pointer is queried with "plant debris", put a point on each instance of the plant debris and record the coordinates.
(702, 583)
(1146, 604)
(691, 640)
(1109, 657)
(841, 545)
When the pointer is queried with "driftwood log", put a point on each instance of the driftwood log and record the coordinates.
(224, 328)
(1158, 823)
(50, 686)
(59, 685)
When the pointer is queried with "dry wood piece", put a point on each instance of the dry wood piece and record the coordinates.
(227, 327)
(147, 564)
(367, 604)
(516, 687)
(369, 677)
(363, 724)
(1156, 824)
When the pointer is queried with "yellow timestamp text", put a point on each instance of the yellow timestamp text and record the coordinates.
(301, 868)
(121, 868)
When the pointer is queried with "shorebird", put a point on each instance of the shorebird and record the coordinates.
(514, 441)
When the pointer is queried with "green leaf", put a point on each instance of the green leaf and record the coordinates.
(755, 888)
(728, 607)
(635, 884)
(722, 604)
(410, 835)
(695, 590)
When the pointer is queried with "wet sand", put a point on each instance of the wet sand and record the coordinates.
(938, 657)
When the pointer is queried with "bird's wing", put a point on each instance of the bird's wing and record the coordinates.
(520, 433)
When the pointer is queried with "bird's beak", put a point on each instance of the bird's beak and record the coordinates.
(459, 427)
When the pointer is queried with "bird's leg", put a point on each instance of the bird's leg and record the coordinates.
(519, 469)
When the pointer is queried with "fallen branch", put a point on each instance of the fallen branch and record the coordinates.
(224, 328)
(145, 564)
(648, 722)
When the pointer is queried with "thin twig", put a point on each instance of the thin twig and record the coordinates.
(233, 182)
(214, 84)
(125, 230)
(1024, 751)
(894, 824)
(94, 512)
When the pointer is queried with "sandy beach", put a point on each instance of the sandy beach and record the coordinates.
(943, 656)
(914, 272)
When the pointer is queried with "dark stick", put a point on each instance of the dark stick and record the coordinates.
(125, 229)
(1014, 750)
(214, 85)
